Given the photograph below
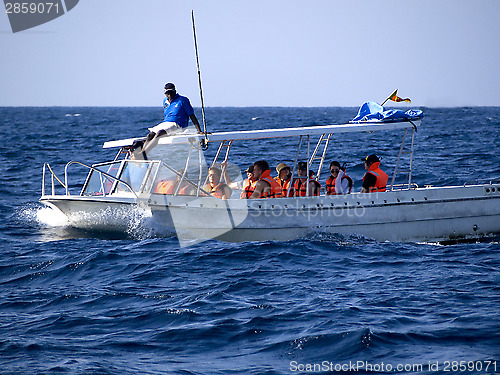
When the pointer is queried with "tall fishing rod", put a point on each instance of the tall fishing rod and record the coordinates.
(204, 143)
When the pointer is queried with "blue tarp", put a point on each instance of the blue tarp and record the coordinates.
(374, 112)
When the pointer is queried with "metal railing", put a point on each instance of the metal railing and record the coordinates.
(403, 186)
(53, 177)
(65, 184)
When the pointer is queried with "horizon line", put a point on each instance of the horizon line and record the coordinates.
(234, 106)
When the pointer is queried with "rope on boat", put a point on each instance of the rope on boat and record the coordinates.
(53, 174)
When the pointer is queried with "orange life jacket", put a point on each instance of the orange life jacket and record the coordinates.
(330, 184)
(165, 187)
(382, 177)
(169, 187)
(300, 186)
(248, 188)
(218, 191)
(185, 189)
(275, 187)
(285, 186)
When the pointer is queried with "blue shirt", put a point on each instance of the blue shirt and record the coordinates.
(178, 110)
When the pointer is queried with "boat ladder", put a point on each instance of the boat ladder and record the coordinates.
(324, 138)
(397, 169)
(224, 144)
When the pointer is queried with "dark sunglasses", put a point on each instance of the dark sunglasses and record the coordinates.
(334, 170)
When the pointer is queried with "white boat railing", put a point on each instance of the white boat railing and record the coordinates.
(404, 186)
(95, 170)
(319, 155)
(53, 177)
(65, 183)
(315, 159)
(398, 161)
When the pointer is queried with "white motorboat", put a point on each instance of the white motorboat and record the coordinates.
(121, 190)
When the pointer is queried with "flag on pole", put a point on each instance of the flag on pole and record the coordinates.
(395, 98)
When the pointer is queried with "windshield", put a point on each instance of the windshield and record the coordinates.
(98, 183)
(130, 172)
(133, 174)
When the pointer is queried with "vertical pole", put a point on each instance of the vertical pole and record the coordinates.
(184, 173)
(397, 162)
(295, 165)
(43, 179)
(54, 188)
(323, 156)
(308, 151)
(199, 81)
(200, 175)
(411, 158)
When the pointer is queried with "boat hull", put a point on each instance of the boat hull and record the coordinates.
(430, 214)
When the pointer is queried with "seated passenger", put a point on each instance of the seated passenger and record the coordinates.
(246, 186)
(375, 179)
(300, 183)
(266, 186)
(338, 182)
(216, 188)
(283, 178)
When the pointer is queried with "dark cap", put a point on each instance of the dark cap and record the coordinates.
(302, 166)
(250, 169)
(169, 87)
(371, 158)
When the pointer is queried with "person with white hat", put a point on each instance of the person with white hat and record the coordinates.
(284, 178)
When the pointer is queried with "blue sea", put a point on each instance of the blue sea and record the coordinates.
(76, 302)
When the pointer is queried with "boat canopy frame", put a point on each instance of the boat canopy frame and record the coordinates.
(188, 137)
(226, 139)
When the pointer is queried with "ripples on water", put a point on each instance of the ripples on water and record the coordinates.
(101, 303)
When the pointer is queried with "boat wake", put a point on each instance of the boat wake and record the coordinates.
(49, 217)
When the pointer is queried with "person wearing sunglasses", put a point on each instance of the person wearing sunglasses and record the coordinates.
(247, 186)
(338, 182)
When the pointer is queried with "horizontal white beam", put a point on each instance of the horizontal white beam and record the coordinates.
(272, 133)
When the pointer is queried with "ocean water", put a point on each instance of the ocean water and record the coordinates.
(76, 302)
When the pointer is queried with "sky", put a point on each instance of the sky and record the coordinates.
(439, 53)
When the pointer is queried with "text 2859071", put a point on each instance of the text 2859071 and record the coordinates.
(32, 8)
